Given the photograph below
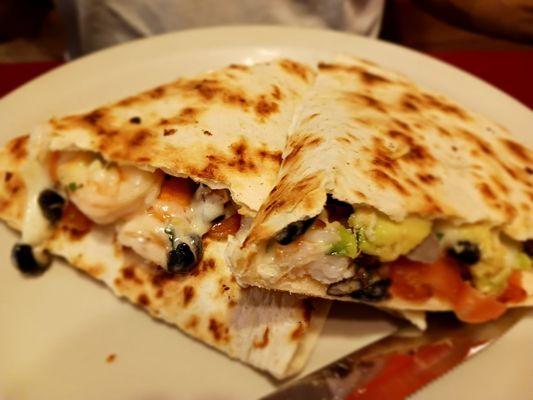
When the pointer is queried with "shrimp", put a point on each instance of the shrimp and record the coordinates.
(308, 256)
(104, 192)
(180, 216)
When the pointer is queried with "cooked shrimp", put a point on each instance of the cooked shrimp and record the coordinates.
(105, 192)
(308, 256)
(184, 209)
(145, 234)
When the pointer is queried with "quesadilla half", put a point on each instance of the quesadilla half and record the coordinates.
(144, 195)
(394, 195)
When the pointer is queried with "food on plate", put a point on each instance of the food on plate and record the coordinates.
(145, 194)
(393, 195)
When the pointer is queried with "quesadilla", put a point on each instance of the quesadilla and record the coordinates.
(145, 194)
(394, 195)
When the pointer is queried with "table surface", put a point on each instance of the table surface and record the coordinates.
(511, 71)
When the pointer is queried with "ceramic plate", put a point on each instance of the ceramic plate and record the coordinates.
(58, 331)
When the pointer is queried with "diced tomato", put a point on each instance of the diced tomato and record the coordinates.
(52, 166)
(74, 219)
(318, 224)
(513, 293)
(221, 230)
(408, 281)
(475, 307)
(417, 281)
(177, 190)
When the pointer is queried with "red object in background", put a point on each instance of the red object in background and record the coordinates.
(13, 75)
(508, 70)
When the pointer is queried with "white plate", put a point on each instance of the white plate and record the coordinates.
(57, 331)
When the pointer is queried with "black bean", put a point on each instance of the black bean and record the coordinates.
(367, 261)
(218, 219)
(185, 256)
(376, 291)
(465, 252)
(23, 257)
(338, 210)
(528, 247)
(51, 204)
(293, 230)
(344, 287)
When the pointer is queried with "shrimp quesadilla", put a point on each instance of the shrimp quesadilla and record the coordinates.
(395, 196)
(144, 195)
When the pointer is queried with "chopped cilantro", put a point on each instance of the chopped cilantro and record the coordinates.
(73, 186)
(169, 230)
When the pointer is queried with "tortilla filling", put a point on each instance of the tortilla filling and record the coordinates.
(163, 219)
(362, 253)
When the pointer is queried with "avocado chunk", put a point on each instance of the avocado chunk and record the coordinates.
(499, 255)
(346, 246)
(387, 239)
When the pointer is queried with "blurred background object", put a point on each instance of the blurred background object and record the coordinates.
(511, 19)
(95, 24)
(35, 30)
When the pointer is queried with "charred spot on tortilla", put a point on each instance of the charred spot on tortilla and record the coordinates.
(129, 274)
(487, 191)
(276, 92)
(239, 67)
(444, 106)
(296, 69)
(28, 261)
(187, 116)
(384, 180)
(501, 186)
(143, 300)
(264, 108)
(135, 120)
(17, 147)
(94, 117)
(218, 330)
(428, 178)
(139, 138)
(188, 294)
(169, 131)
(368, 101)
(293, 230)
(372, 79)
(517, 150)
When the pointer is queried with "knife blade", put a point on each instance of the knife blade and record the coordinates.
(399, 365)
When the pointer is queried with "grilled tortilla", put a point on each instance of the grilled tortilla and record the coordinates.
(397, 196)
(144, 195)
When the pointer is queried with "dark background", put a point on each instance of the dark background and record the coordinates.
(30, 30)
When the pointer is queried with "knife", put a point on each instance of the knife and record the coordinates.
(399, 365)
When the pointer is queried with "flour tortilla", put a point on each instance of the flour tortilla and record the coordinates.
(225, 128)
(272, 331)
(368, 136)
